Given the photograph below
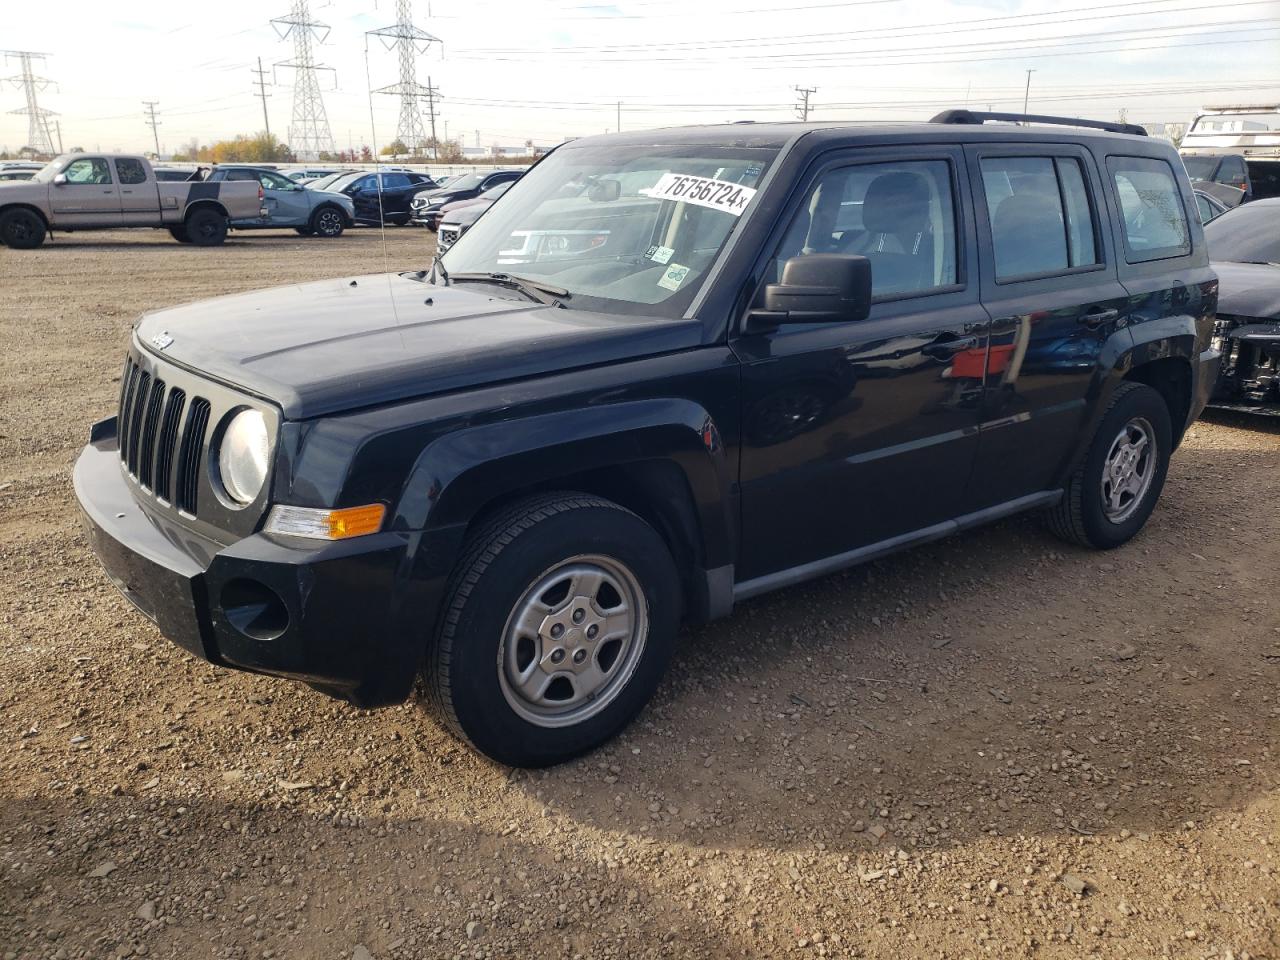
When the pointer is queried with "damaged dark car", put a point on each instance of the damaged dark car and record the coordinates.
(1244, 245)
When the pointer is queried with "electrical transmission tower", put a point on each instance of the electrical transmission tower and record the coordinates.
(309, 134)
(802, 108)
(409, 41)
(152, 122)
(39, 138)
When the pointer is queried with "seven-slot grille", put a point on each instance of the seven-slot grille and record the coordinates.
(151, 421)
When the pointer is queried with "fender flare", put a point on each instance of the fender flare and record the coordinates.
(19, 205)
(458, 475)
(201, 204)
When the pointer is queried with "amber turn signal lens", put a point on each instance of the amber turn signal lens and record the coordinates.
(355, 521)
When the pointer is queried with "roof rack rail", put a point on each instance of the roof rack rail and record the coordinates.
(978, 117)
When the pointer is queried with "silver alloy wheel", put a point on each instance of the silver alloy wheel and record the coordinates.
(1128, 470)
(572, 641)
(329, 223)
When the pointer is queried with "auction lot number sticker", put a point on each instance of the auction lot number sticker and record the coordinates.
(703, 191)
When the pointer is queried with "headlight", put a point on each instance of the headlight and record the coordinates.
(243, 456)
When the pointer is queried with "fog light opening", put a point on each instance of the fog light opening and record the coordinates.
(254, 609)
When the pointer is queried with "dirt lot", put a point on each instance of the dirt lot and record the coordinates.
(928, 757)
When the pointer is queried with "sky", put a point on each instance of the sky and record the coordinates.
(545, 70)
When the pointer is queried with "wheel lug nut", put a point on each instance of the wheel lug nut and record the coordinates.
(557, 655)
(579, 615)
(557, 631)
(579, 655)
(592, 631)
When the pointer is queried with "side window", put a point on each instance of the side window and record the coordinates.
(130, 171)
(900, 216)
(241, 175)
(273, 181)
(1155, 224)
(88, 170)
(1204, 208)
(394, 181)
(1232, 172)
(1041, 221)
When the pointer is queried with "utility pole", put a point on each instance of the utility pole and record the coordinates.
(409, 41)
(38, 135)
(431, 114)
(153, 122)
(802, 108)
(57, 125)
(1026, 95)
(309, 133)
(618, 125)
(261, 84)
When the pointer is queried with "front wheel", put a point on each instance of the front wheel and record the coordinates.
(328, 222)
(206, 228)
(179, 234)
(560, 620)
(21, 229)
(1115, 488)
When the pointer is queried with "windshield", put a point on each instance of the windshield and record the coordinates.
(1248, 234)
(497, 190)
(468, 181)
(623, 228)
(1200, 168)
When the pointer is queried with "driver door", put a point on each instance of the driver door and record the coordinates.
(90, 197)
(860, 434)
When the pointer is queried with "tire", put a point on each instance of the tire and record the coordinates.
(304, 231)
(521, 560)
(205, 227)
(179, 234)
(327, 222)
(1138, 418)
(400, 221)
(22, 229)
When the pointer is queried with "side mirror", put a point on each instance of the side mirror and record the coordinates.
(604, 191)
(60, 180)
(817, 288)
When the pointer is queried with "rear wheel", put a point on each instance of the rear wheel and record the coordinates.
(328, 222)
(1115, 488)
(206, 227)
(560, 620)
(179, 234)
(21, 229)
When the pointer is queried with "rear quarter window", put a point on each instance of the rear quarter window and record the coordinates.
(1154, 220)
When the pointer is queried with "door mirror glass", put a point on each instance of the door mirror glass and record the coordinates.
(819, 288)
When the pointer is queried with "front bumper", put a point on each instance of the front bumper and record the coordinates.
(349, 617)
(1249, 379)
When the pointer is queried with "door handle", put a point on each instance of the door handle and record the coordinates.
(1096, 318)
(946, 349)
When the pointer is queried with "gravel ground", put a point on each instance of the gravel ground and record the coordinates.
(991, 746)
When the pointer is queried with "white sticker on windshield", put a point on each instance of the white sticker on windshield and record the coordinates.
(703, 191)
(660, 254)
(673, 276)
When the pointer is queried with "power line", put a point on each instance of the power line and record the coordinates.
(39, 138)
(261, 84)
(309, 130)
(152, 122)
(802, 108)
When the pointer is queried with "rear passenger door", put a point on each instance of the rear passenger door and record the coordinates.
(1049, 282)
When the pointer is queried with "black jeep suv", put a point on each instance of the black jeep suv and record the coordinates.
(669, 371)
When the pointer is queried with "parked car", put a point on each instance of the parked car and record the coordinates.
(1244, 245)
(321, 213)
(32, 165)
(521, 477)
(427, 205)
(1233, 152)
(80, 191)
(303, 176)
(17, 173)
(457, 217)
(388, 203)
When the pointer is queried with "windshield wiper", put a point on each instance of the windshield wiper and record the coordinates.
(533, 289)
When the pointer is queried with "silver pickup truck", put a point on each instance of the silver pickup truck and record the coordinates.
(81, 191)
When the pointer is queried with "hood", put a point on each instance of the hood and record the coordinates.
(465, 214)
(320, 348)
(1248, 289)
(462, 204)
(333, 195)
